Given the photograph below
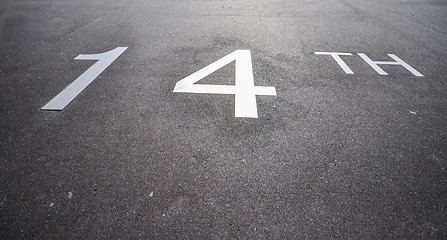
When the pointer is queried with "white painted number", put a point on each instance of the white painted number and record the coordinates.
(59, 102)
(244, 89)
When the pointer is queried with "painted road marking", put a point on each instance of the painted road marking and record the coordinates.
(336, 57)
(67, 95)
(373, 64)
(244, 89)
(398, 61)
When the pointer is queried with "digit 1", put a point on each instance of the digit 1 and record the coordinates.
(67, 95)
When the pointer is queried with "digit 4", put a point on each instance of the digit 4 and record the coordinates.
(244, 89)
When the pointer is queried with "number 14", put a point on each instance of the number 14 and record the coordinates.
(244, 89)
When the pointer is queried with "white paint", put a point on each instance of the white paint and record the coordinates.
(412, 112)
(337, 58)
(59, 102)
(244, 89)
(397, 61)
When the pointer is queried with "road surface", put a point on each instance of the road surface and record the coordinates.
(330, 122)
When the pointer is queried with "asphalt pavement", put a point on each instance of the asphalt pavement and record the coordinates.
(223, 119)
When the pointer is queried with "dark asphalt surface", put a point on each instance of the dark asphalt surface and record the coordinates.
(332, 156)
